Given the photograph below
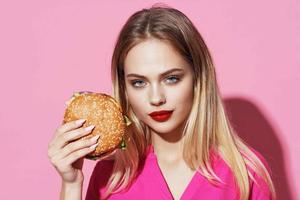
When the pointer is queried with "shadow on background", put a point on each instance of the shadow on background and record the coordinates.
(252, 126)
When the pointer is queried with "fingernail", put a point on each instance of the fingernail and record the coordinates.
(89, 128)
(95, 138)
(78, 122)
(94, 146)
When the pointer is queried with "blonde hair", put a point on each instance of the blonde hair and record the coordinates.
(207, 126)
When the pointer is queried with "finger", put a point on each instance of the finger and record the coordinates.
(78, 133)
(68, 137)
(69, 126)
(64, 139)
(77, 145)
(64, 128)
(71, 158)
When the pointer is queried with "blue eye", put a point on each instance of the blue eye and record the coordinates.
(173, 79)
(140, 83)
(137, 83)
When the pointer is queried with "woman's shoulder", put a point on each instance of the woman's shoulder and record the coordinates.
(261, 158)
(218, 161)
(259, 188)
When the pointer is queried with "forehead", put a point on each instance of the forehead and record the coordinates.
(153, 56)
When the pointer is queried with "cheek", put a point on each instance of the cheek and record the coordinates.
(185, 96)
(136, 100)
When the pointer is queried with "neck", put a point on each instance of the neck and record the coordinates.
(168, 147)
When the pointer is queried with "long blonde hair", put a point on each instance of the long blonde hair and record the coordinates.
(207, 126)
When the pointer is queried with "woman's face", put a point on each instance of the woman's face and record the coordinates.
(150, 88)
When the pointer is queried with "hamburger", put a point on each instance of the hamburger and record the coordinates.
(105, 113)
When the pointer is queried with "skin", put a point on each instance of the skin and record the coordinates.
(67, 158)
(145, 95)
(154, 92)
(170, 92)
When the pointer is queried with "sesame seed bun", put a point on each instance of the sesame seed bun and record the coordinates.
(105, 113)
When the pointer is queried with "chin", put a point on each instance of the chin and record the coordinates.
(163, 127)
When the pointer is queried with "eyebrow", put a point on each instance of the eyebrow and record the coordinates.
(163, 74)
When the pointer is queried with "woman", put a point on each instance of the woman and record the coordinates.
(181, 145)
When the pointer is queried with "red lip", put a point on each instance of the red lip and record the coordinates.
(162, 115)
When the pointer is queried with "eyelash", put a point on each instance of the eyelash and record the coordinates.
(168, 78)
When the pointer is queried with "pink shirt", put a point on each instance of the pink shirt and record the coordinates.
(150, 184)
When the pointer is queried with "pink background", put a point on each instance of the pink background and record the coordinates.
(48, 49)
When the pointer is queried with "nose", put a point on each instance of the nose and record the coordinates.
(157, 96)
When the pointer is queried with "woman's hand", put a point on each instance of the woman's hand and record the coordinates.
(67, 155)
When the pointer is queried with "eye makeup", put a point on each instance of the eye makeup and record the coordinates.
(171, 79)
